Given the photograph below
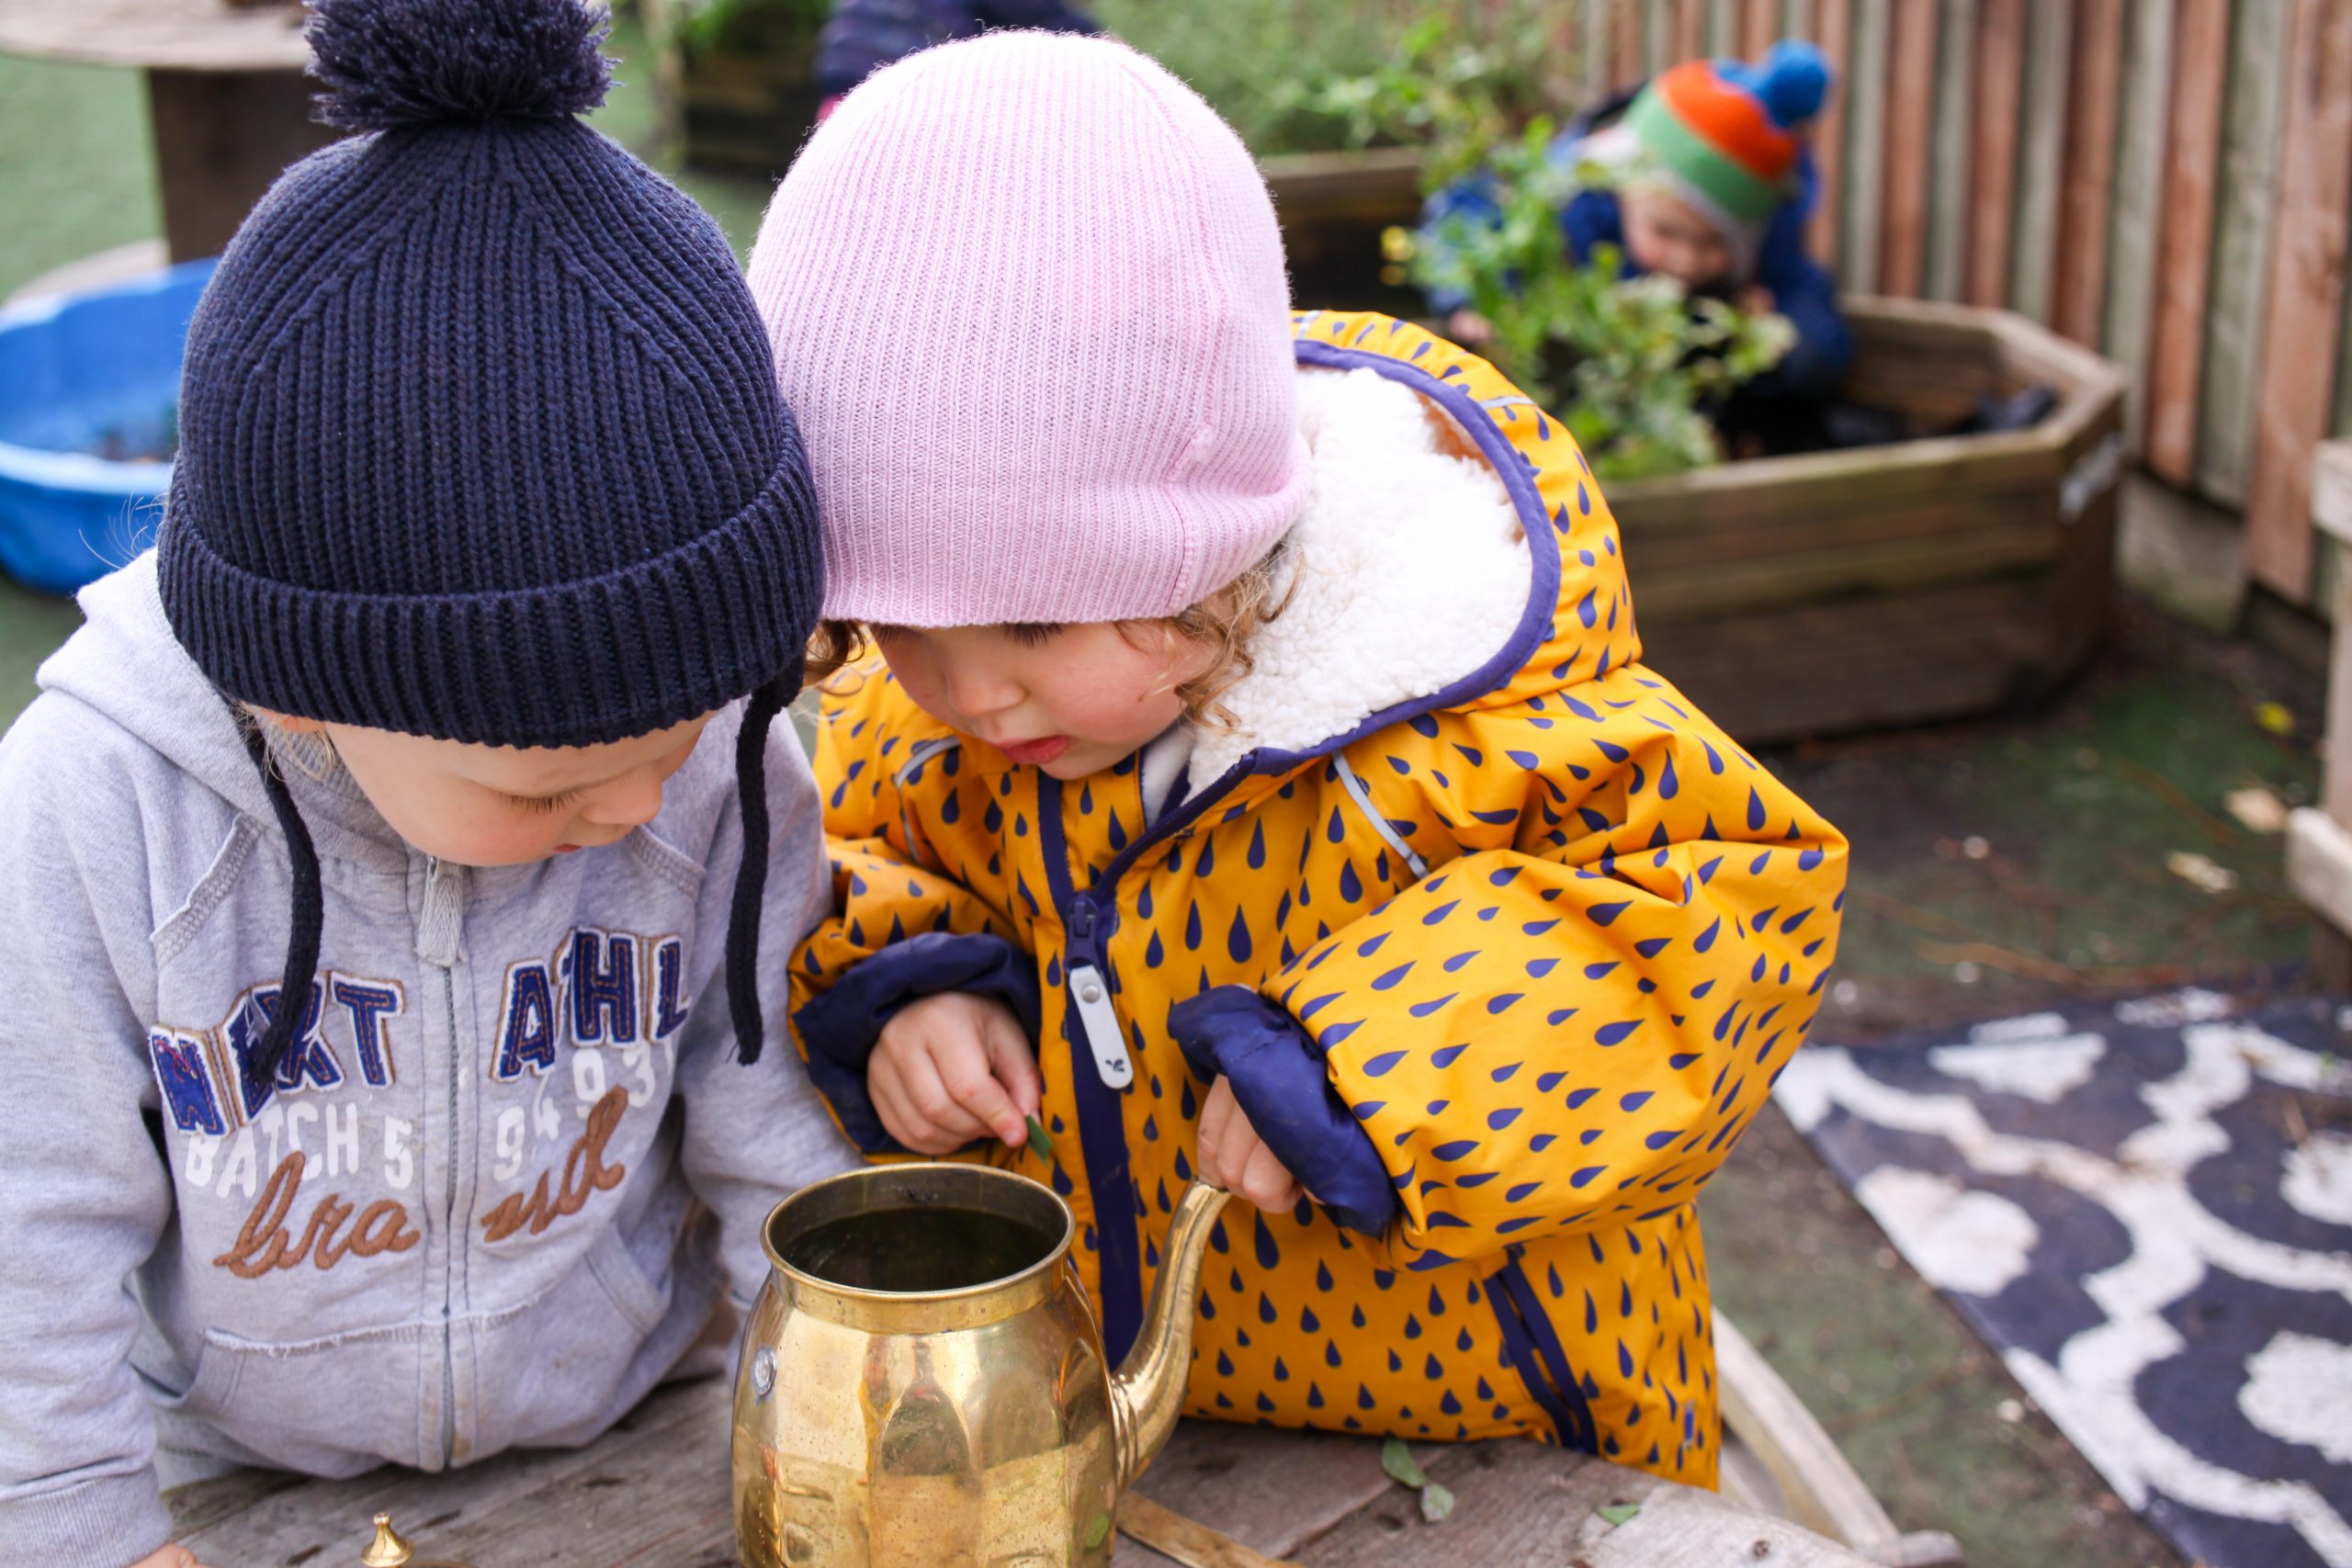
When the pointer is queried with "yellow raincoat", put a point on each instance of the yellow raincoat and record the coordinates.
(1547, 935)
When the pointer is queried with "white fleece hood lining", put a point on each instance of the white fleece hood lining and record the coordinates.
(1411, 569)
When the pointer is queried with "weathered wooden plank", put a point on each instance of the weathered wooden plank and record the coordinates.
(1185, 1541)
(1802, 634)
(2185, 236)
(140, 34)
(1795, 487)
(1911, 675)
(1909, 116)
(1657, 36)
(2248, 184)
(1993, 164)
(1759, 26)
(1593, 44)
(1865, 143)
(1532, 1507)
(1689, 1528)
(1896, 677)
(2041, 140)
(1376, 183)
(1628, 51)
(2332, 512)
(1822, 1488)
(1269, 1490)
(2088, 168)
(1832, 29)
(2305, 315)
(2139, 171)
(1896, 566)
(2332, 504)
(1661, 559)
(2319, 863)
(221, 139)
(655, 1490)
(1723, 28)
(656, 1486)
(1690, 39)
(1948, 180)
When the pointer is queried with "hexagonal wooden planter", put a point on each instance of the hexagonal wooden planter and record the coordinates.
(1929, 580)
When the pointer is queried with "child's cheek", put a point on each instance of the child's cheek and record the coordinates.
(915, 679)
(1124, 711)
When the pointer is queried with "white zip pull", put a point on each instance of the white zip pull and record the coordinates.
(1101, 1021)
(444, 905)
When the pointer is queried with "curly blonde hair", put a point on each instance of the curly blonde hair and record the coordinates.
(1226, 623)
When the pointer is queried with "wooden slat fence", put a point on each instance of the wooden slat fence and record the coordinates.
(2167, 180)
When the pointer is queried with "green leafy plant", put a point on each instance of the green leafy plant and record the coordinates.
(703, 27)
(1266, 64)
(1627, 364)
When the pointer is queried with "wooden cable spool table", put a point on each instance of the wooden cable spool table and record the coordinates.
(652, 1493)
(229, 105)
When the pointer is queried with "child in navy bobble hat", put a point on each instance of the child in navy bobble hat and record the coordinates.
(391, 860)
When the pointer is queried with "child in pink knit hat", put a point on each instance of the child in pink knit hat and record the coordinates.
(1258, 780)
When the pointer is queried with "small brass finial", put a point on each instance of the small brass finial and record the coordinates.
(389, 1551)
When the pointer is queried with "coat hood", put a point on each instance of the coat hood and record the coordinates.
(1451, 554)
(170, 707)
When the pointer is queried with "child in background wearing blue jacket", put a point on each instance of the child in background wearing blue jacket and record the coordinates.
(1712, 186)
(487, 521)
(863, 36)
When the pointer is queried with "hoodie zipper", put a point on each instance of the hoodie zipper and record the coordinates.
(436, 945)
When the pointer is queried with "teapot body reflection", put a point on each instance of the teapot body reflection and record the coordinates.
(922, 1381)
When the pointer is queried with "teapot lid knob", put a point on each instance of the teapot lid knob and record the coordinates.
(388, 1549)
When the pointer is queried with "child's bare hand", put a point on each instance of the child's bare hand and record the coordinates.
(1235, 1158)
(172, 1556)
(951, 1069)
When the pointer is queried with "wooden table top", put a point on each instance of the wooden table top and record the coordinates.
(182, 35)
(653, 1494)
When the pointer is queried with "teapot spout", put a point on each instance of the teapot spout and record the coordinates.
(1148, 1391)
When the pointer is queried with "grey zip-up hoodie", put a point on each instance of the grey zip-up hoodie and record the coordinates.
(507, 1168)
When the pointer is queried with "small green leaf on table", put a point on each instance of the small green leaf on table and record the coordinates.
(1618, 1513)
(1437, 1503)
(1398, 1462)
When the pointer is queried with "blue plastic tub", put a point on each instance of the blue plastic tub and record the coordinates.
(88, 385)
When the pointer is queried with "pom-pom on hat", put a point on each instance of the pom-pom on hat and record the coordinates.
(479, 435)
(1728, 131)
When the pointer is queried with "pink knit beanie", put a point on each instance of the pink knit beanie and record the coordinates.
(1028, 303)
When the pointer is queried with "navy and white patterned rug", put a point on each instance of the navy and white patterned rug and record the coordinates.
(2147, 1210)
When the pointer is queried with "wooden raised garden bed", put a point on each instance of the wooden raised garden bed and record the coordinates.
(1793, 596)
(738, 98)
(1333, 207)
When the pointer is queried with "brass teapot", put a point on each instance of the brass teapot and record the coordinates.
(922, 1381)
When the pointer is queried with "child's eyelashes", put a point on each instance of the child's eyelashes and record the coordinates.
(544, 804)
(1032, 633)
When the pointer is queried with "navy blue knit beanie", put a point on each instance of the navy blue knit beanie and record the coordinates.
(479, 433)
